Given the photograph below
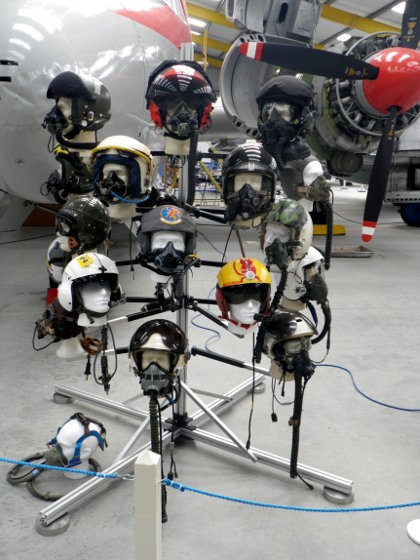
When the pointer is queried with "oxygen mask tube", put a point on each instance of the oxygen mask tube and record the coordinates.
(328, 239)
(192, 160)
(274, 304)
(156, 444)
(302, 370)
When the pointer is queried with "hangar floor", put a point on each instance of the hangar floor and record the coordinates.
(375, 335)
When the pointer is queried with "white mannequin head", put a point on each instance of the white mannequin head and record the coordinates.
(64, 104)
(159, 240)
(67, 439)
(67, 244)
(121, 171)
(95, 296)
(242, 316)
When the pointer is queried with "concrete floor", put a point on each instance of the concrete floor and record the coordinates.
(375, 334)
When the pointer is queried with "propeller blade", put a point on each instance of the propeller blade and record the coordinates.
(310, 61)
(410, 29)
(379, 177)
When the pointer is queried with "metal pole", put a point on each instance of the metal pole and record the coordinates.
(148, 490)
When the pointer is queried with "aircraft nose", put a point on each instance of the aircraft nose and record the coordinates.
(398, 82)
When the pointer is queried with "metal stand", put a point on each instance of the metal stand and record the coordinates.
(336, 489)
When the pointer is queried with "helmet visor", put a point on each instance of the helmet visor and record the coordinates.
(273, 110)
(66, 225)
(241, 294)
(172, 338)
(169, 103)
(259, 182)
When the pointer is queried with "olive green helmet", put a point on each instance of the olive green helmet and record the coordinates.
(87, 220)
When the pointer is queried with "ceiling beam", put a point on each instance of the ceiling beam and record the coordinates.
(209, 15)
(347, 19)
(353, 21)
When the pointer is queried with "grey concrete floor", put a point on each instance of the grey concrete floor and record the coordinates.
(375, 305)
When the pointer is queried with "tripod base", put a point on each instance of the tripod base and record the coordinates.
(336, 497)
(57, 528)
(335, 487)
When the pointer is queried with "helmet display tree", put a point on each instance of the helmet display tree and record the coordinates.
(158, 356)
(157, 378)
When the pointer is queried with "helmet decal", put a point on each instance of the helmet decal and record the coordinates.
(170, 215)
(85, 260)
(247, 270)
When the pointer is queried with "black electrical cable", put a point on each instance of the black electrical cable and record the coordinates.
(251, 412)
(42, 347)
(20, 473)
(227, 242)
(47, 496)
(192, 161)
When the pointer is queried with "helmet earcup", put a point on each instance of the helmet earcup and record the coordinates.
(222, 303)
(155, 114)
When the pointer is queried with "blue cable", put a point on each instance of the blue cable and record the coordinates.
(128, 201)
(364, 394)
(55, 468)
(183, 487)
(216, 336)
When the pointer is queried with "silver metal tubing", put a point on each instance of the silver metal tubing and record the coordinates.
(101, 401)
(132, 440)
(215, 419)
(227, 399)
(326, 479)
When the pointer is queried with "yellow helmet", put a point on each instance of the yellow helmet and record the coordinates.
(240, 280)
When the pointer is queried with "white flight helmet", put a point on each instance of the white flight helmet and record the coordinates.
(89, 267)
(132, 164)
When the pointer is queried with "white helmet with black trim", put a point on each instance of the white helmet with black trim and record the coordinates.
(89, 267)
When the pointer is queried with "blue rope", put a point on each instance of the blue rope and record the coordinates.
(364, 394)
(183, 487)
(54, 468)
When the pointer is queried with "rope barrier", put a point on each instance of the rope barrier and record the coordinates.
(70, 470)
(183, 487)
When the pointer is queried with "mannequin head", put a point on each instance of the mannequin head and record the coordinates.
(82, 224)
(76, 442)
(95, 296)
(248, 183)
(90, 286)
(122, 171)
(166, 237)
(288, 339)
(243, 290)
(158, 351)
(82, 107)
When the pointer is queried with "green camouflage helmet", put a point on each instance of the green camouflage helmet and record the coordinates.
(289, 213)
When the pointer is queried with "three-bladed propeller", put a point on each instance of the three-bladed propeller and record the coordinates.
(391, 86)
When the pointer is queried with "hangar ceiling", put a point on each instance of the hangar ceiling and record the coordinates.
(353, 17)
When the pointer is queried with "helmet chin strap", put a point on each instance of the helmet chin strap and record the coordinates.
(77, 145)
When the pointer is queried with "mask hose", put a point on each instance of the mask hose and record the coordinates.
(274, 304)
(192, 160)
(155, 444)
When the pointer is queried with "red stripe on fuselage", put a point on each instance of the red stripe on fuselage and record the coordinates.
(162, 20)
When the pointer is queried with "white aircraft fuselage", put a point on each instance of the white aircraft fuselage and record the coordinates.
(118, 42)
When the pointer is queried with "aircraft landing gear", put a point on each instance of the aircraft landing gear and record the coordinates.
(410, 213)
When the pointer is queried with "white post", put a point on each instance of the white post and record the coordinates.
(148, 506)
